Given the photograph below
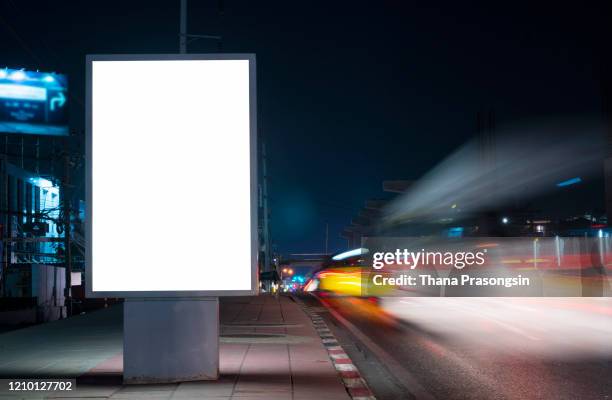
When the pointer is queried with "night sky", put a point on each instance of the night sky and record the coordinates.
(349, 93)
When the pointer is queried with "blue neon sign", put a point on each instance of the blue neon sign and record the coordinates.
(33, 103)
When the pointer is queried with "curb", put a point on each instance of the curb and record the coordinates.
(353, 382)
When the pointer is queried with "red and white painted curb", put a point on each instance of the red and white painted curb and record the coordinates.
(353, 382)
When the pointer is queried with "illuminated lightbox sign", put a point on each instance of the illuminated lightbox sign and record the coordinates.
(171, 168)
(34, 103)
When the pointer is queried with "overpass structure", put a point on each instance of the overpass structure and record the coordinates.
(313, 261)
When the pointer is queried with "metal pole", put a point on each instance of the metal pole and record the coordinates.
(326, 238)
(183, 28)
(67, 236)
(266, 227)
(37, 156)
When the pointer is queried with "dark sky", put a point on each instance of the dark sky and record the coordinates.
(349, 93)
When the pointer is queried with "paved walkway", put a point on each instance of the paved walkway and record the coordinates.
(269, 350)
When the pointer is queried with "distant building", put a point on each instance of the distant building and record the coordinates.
(31, 253)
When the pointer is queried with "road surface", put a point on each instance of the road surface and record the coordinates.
(478, 348)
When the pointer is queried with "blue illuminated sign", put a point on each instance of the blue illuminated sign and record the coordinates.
(33, 103)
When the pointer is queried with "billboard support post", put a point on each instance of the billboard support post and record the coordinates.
(170, 340)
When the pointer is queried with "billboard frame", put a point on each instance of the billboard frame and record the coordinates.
(253, 144)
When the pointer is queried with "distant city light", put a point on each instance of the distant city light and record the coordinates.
(455, 231)
(505, 220)
(311, 285)
(17, 76)
(569, 182)
(3, 73)
(42, 182)
(48, 78)
(350, 253)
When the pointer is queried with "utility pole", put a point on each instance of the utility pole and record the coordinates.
(184, 36)
(67, 233)
(326, 238)
(183, 28)
(266, 212)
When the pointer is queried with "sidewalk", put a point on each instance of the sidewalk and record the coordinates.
(269, 350)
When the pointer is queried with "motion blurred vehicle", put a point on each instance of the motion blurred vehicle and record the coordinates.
(346, 274)
(551, 266)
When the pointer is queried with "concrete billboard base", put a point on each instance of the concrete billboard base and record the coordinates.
(170, 340)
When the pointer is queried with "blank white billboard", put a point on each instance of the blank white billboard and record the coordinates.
(171, 175)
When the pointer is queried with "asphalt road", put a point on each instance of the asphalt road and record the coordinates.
(478, 348)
